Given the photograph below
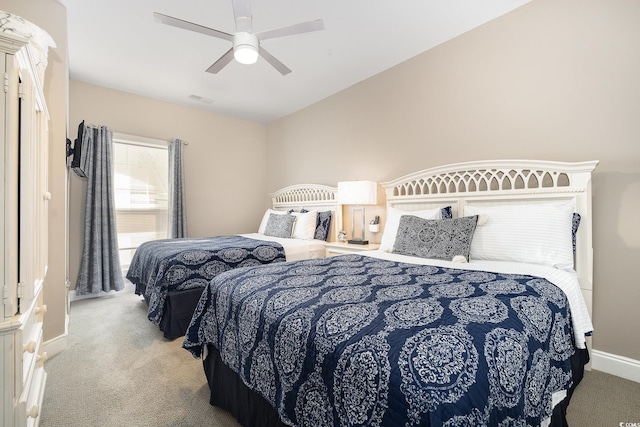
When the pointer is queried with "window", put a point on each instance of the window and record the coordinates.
(141, 180)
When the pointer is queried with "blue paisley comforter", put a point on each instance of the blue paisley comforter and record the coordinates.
(180, 264)
(355, 340)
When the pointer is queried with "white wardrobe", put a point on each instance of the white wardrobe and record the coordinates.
(23, 231)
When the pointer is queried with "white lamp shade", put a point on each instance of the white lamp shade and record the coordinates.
(358, 193)
(245, 48)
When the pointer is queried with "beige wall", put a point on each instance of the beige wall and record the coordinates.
(551, 80)
(52, 17)
(224, 160)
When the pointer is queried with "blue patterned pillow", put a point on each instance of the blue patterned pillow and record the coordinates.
(435, 238)
(323, 225)
(279, 225)
(446, 213)
(575, 223)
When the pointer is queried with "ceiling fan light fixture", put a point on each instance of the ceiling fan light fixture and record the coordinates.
(246, 48)
(246, 44)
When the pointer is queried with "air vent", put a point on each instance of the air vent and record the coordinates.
(200, 99)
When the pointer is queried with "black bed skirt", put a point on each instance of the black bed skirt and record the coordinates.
(178, 310)
(230, 393)
(252, 410)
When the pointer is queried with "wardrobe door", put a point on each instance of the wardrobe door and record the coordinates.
(30, 276)
(9, 209)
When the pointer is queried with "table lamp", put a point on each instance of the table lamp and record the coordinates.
(357, 194)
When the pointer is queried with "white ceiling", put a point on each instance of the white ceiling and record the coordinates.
(117, 44)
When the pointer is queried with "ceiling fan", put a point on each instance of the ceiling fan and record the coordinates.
(246, 44)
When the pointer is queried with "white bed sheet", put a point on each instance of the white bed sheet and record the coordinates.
(295, 249)
(567, 281)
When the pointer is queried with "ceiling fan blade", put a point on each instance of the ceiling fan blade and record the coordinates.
(242, 14)
(284, 70)
(186, 25)
(221, 62)
(303, 27)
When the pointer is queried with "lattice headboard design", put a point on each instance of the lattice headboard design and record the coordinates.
(310, 196)
(305, 194)
(495, 182)
(491, 177)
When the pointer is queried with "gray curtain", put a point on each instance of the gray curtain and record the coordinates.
(177, 213)
(100, 265)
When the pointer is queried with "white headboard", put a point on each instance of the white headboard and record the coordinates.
(310, 196)
(494, 182)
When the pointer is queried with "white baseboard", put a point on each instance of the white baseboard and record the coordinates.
(74, 297)
(613, 364)
(56, 345)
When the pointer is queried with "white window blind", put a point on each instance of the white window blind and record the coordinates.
(141, 183)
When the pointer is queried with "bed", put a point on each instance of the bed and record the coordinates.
(397, 338)
(171, 273)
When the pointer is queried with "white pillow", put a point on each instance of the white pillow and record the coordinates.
(393, 221)
(305, 226)
(532, 233)
(265, 218)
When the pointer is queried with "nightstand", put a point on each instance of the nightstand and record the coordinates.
(337, 248)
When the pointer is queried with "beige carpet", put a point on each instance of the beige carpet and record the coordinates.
(118, 370)
(603, 400)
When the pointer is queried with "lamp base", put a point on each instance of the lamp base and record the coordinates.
(358, 242)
